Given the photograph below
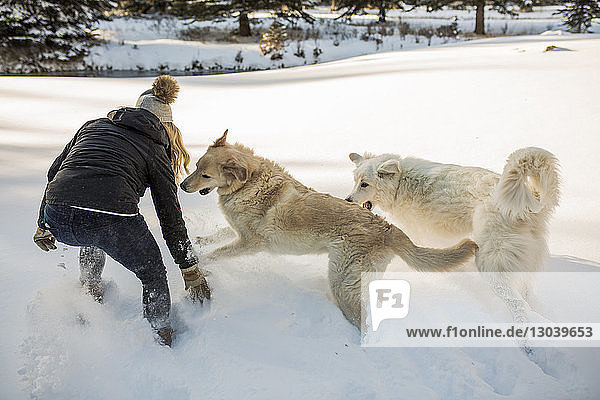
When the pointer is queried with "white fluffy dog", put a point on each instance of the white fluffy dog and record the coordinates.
(507, 214)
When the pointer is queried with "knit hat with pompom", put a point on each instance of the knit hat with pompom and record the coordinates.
(156, 100)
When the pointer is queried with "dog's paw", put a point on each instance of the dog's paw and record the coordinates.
(204, 240)
(219, 236)
(210, 257)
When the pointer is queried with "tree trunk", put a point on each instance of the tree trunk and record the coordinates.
(382, 6)
(479, 21)
(244, 25)
(332, 5)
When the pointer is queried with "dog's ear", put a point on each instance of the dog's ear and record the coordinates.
(355, 158)
(222, 140)
(389, 167)
(234, 170)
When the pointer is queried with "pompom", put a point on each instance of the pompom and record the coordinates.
(165, 87)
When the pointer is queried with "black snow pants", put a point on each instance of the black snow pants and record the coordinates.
(127, 240)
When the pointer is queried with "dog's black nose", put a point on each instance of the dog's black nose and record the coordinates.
(348, 199)
(182, 186)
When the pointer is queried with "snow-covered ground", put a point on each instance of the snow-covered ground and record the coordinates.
(272, 330)
(146, 44)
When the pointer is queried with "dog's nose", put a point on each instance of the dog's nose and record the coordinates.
(183, 186)
(349, 199)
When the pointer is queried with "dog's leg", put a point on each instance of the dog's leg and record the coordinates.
(219, 236)
(515, 303)
(344, 281)
(234, 249)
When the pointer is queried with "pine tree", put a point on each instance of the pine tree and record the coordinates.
(579, 14)
(204, 9)
(40, 35)
(273, 41)
(502, 6)
(357, 6)
(139, 7)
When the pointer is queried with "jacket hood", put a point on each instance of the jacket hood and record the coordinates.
(142, 121)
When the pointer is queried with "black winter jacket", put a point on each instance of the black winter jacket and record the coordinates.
(109, 164)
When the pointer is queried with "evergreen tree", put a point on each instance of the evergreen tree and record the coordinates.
(579, 14)
(205, 9)
(139, 7)
(38, 35)
(273, 41)
(502, 6)
(357, 6)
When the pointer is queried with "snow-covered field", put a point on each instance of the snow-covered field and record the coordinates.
(272, 330)
(146, 44)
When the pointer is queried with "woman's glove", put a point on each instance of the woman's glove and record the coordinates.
(44, 239)
(195, 283)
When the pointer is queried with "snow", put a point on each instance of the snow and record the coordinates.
(272, 329)
(141, 44)
(145, 44)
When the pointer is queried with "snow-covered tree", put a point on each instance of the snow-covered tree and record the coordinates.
(352, 7)
(203, 9)
(579, 14)
(35, 34)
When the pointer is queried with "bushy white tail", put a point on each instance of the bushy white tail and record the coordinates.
(529, 184)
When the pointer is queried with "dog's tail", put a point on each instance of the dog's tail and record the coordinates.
(426, 259)
(529, 184)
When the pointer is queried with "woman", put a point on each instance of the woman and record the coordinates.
(92, 196)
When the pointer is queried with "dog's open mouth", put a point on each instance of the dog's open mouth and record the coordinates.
(368, 205)
(204, 191)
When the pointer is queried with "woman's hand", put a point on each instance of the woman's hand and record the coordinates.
(44, 239)
(195, 283)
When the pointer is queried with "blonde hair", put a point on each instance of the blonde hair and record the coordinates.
(180, 158)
